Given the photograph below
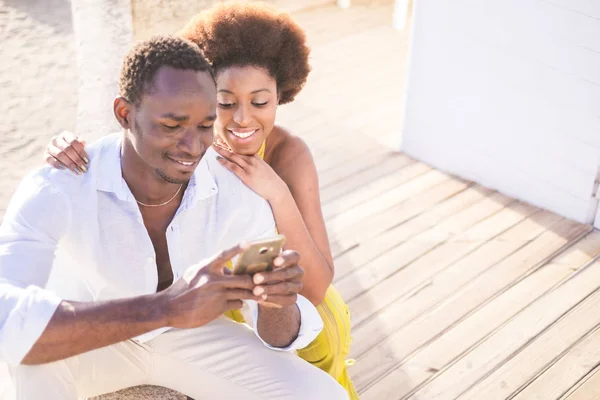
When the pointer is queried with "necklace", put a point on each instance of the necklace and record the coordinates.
(161, 204)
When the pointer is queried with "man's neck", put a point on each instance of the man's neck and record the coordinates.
(145, 185)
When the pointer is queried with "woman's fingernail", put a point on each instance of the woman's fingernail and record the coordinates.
(83, 168)
(219, 158)
(258, 279)
(258, 291)
(264, 297)
(85, 159)
(278, 261)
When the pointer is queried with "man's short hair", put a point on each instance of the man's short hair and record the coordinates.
(146, 58)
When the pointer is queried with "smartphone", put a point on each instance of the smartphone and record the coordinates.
(259, 256)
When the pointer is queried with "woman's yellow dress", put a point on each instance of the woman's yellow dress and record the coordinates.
(330, 349)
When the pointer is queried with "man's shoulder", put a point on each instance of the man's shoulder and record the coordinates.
(52, 181)
(229, 185)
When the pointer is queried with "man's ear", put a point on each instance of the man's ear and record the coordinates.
(122, 109)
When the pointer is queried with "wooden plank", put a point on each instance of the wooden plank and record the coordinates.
(393, 275)
(437, 375)
(351, 236)
(348, 170)
(391, 353)
(466, 331)
(350, 153)
(373, 189)
(394, 217)
(587, 389)
(520, 254)
(577, 363)
(386, 200)
(450, 216)
(391, 165)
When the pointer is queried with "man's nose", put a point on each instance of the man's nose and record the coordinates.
(191, 143)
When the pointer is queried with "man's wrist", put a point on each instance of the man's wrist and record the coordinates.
(279, 327)
(160, 314)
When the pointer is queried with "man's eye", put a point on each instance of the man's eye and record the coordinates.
(171, 127)
(207, 127)
(225, 105)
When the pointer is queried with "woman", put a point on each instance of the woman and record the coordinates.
(260, 58)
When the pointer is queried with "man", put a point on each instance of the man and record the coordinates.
(101, 283)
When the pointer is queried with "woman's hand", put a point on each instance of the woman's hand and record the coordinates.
(67, 151)
(255, 173)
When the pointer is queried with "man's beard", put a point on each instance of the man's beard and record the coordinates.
(163, 175)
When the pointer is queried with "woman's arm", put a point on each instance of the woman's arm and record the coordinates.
(299, 217)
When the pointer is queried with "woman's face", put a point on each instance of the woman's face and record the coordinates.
(246, 107)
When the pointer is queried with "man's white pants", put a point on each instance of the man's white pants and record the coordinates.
(221, 360)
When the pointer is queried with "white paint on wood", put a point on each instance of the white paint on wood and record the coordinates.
(400, 14)
(507, 93)
(343, 3)
(104, 33)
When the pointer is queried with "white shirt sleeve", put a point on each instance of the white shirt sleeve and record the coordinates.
(36, 218)
(311, 323)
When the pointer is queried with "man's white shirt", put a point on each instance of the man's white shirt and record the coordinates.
(82, 238)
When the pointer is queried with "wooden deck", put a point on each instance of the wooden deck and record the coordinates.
(456, 291)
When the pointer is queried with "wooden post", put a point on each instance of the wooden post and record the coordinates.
(400, 14)
(103, 34)
(343, 3)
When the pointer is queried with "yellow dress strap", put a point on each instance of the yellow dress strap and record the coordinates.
(261, 151)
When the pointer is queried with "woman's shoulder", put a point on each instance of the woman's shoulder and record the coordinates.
(288, 151)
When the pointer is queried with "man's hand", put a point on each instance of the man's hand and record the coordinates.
(281, 286)
(206, 291)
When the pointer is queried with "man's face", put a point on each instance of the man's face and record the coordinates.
(172, 126)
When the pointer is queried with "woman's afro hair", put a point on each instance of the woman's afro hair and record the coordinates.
(242, 34)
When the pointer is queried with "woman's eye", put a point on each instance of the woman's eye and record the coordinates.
(172, 127)
(261, 104)
(225, 105)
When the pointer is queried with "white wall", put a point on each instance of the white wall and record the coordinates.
(507, 93)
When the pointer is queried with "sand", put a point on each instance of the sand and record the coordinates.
(38, 84)
(38, 92)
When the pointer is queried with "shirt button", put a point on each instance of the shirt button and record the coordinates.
(150, 259)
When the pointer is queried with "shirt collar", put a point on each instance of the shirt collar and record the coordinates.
(110, 178)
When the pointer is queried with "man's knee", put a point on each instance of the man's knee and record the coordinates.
(316, 384)
(48, 381)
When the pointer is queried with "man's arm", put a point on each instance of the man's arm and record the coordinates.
(36, 326)
(76, 328)
(279, 327)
